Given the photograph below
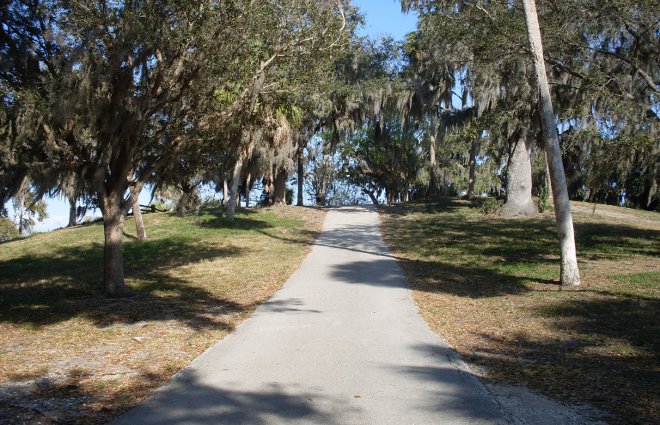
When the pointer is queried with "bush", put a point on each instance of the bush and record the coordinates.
(7, 230)
(491, 206)
(212, 204)
(544, 202)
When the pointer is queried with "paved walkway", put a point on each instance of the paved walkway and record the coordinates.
(341, 343)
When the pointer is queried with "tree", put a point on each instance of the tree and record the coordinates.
(125, 89)
(21, 93)
(570, 275)
(300, 48)
(322, 168)
(384, 157)
(519, 176)
(28, 208)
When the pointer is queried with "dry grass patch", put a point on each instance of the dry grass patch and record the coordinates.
(71, 355)
(490, 287)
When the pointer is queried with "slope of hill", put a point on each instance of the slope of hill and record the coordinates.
(71, 355)
(490, 286)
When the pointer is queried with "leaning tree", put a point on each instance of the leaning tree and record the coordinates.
(498, 46)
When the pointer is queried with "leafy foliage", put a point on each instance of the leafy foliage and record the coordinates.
(7, 230)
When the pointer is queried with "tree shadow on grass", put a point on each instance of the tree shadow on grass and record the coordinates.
(513, 241)
(613, 352)
(48, 289)
(607, 354)
(242, 221)
(634, 321)
(583, 366)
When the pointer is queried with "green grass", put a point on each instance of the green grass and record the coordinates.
(194, 280)
(43, 274)
(491, 287)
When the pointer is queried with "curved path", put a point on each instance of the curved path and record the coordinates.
(341, 343)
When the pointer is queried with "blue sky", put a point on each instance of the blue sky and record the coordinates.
(383, 17)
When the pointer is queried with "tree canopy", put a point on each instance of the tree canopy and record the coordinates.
(99, 99)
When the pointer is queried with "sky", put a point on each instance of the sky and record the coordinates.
(382, 17)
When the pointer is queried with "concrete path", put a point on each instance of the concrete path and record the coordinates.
(341, 343)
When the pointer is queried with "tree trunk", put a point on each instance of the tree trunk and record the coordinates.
(225, 193)
(247, 190)
(433, 162)
(390, 197)
(320, 199)
(371, 195)
(113, 254)
(73, 212)
(519, 180)
(570, 274)
(279, 189)
(247, 145)
(21, 213)
(548, 180)
(233, 188)
(301, 177)
(472, 165)
(182, 205)
(322, 189)
(139, 223)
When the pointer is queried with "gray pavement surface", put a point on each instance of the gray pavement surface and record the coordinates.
(341, 343)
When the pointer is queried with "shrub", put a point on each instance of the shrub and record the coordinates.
(544, 202)
(7, 230)
(491, 206)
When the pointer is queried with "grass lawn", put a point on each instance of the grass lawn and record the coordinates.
(69, 354)
(490, 287)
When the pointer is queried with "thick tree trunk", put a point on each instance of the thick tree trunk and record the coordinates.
(183, 203)
(301, 177)
(519, 180)
(472, 166)
(73, 212)
(113, 255)
(279, 189)
(570, 274)
(139, 223)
